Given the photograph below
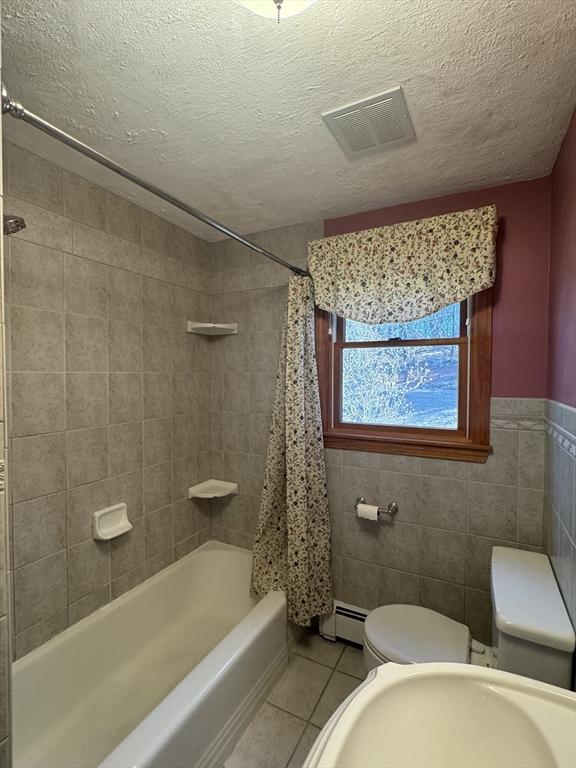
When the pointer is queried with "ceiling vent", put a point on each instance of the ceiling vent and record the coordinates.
(371, 125)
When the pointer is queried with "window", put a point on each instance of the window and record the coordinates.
(420, 388)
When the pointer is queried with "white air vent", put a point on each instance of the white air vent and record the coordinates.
(371, 125)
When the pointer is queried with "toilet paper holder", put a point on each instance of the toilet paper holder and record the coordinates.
(389, 513)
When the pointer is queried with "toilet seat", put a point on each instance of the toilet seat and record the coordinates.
(410, 634)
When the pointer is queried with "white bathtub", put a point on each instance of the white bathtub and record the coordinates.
(167, 676)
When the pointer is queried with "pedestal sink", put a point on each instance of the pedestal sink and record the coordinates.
(449, 716)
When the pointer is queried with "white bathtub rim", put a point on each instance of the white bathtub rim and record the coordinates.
(165, 720)
(116, 605)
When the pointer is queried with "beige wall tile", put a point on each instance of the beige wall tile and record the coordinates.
(184, 519)
(86, 455)
(124, 397)
(36, 340)
(157, 348)
(158, 532)
(478, 615)
(38, 528)
(86, 343)
(492, 510)
(442, 554)
(84, 201)
(32, 178)
(398, 587)
(359, 584)
(157, 487)
(87, 605)
(83, 501)
(502, 466)
(86, 400)
(38, 403)
(127, 489)
(158, 395)
(157, 441)
(530, 516)
(156, 233)
(157, 298)
(444, 597)
(125, 296)
(42, 226)
(39, 590)
(127, 581)
(47, 455)
(36, 276)
(444, 503)
(123, 218)
(97, 245)
(127, 551)
(88, 568)
(531, 459)
(40, 633)
(125, 448)
(85, 286)
(124, 347)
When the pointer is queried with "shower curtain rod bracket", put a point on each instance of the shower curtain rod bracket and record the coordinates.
(15, 109)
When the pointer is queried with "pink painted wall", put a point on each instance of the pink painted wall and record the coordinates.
(520, 324)
(562, 317)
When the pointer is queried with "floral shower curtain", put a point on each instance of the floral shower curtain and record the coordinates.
(292, 543)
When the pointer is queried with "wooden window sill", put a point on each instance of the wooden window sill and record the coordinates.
(456, 449)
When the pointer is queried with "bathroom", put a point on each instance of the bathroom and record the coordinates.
(155, 607)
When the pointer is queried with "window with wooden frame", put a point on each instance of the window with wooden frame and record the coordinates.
(420, 388)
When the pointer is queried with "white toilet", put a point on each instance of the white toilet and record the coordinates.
(531, 631)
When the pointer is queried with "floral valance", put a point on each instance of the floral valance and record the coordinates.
(405, 271)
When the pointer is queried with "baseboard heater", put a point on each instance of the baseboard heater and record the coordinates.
(346, 622)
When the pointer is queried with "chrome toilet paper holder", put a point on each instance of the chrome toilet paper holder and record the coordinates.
(389, 513)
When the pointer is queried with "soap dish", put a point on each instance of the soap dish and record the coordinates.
(110, 522)
(212, 489)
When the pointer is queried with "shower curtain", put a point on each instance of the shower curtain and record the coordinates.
(292, 543)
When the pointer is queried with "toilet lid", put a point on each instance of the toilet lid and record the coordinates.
(410, 634)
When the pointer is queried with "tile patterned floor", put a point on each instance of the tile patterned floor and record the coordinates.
(319, 677)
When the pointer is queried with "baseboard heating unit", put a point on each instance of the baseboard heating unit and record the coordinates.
(346, 622)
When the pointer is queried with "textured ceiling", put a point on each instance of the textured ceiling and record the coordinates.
(222, 108)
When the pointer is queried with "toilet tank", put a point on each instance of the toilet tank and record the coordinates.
(532, 631)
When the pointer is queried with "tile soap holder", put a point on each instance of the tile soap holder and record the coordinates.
(110, 522)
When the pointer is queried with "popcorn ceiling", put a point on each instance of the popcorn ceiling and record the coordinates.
(222, 108)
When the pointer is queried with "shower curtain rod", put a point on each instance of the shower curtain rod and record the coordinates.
(13, 108)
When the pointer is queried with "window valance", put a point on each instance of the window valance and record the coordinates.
(405, 271)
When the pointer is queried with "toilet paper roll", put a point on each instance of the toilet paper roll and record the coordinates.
(367, 511)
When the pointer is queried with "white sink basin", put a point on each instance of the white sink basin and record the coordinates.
(449, 716)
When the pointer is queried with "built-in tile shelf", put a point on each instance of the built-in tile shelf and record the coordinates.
(212, 329)
(212, 489)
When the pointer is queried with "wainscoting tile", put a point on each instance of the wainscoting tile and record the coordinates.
(443, 597)
(478, 558)
(398, 587)
(359, 583)
(530, 516)
(444, 503)
(492, 510)
(531, 459)
(502, 465)
(399, 546)
(478, 616)
(442, 555)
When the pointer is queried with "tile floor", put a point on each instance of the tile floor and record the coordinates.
(319, 677)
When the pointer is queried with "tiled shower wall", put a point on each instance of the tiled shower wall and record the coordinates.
(108, 392)
(437, 551)
(561, 498)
